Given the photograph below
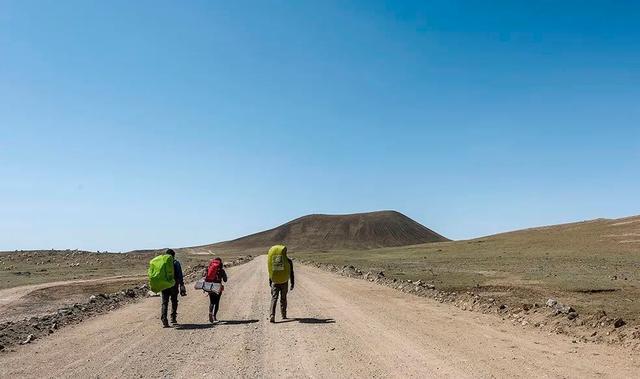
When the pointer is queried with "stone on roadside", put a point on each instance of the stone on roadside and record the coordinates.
(562, 308)
(64, 311)
(551, 302)
(619, 323)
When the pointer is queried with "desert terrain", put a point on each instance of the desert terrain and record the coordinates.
(339, 327)
(376, 294)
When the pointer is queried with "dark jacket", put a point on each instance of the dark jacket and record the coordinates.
(291, 277)
(177, 272)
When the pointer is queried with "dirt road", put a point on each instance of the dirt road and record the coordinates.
(341, 327)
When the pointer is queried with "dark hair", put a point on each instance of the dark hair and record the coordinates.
(170, 252)
(218, 259)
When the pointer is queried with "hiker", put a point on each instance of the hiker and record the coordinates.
(215, 273)
(172, 292)
(280, 272)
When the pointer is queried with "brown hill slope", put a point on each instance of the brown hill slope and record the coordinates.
(327, 232)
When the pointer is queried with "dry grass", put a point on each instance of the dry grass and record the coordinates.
(35, 267)
(591, 265)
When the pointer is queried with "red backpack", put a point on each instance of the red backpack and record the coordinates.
(213, 271)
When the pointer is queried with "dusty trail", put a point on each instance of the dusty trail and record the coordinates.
(341, 328)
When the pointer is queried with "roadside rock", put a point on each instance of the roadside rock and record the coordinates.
(618, 323)
(559, 308)
(565, 309)
(64, 311)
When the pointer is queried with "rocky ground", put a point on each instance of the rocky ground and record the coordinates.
(26, 329)
(548, 315)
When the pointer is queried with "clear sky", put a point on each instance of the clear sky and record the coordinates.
(142, 124)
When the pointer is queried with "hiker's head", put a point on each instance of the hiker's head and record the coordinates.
(218, 259)
(170, 252)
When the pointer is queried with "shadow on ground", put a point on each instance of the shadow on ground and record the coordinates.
(309, 320)
(192, 326)
(208, 325)
(302, 320)
(236, 322)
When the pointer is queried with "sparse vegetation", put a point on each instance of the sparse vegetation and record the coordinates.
(34, 267)
(593, 265)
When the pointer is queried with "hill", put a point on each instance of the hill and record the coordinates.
(358, 231)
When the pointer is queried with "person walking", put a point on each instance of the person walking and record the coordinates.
(280, 273)
(171, 293)
(216, 274)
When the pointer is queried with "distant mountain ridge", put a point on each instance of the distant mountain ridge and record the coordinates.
(331, 232)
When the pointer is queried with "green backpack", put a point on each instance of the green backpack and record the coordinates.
(161, 273)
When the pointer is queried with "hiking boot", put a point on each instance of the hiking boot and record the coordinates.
(272, 319)
(284, 315)
(165, 323)
(174, 320)
(211, 318)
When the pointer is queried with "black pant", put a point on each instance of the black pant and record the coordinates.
(214, 303)
(169, 293)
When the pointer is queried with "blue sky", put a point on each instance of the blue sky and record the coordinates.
(142, 124)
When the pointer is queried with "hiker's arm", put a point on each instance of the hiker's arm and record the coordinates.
(224, 275)
(293, 279)
(179, 276)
